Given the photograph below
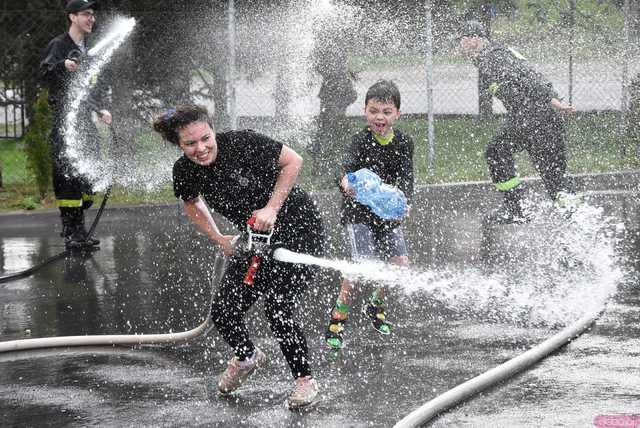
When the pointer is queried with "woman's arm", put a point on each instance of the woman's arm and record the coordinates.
(199, 214)
(290, 163)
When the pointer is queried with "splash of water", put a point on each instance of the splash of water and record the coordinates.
(295, 81)
(99, 173)
(565, 271)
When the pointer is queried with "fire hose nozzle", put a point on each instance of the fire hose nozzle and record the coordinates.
(254, 264)
(257, 246)
(75, 55)
(257, 243)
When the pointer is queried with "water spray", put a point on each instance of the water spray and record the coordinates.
(251, 245)
(94, 61)
(254, 246)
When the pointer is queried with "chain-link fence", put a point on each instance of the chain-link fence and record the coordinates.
(299, 71)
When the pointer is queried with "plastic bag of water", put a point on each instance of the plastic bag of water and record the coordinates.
(385, 201)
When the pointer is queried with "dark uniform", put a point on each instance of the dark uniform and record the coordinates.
(393, 163)
(240, 181)
(73, 192)
(531, 123)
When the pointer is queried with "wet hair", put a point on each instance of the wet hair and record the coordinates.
(385, 91)
(169, 123)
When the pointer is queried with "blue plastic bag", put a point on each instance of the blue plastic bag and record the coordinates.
(385, 201)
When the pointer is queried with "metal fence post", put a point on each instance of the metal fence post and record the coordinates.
(429, 76)
(231, 77)
(624, 98)
(572, 30)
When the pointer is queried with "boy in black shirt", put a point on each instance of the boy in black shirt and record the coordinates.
(243, 175)
(534, 123)
(60, 60)
(388, 153)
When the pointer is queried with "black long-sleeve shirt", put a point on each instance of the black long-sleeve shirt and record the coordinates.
(506, 74)
(393, 162)
(55, 76)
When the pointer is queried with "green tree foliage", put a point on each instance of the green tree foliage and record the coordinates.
(37, 148)
(25, 29)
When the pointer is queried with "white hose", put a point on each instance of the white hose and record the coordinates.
(120, 339)
(504, 371)
(109, 339)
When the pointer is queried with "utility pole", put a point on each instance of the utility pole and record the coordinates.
(485, 99)
(572, 31)
(231, 74)
(429, 75)
(624, 100)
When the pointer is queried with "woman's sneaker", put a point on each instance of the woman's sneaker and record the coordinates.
(378, 318)
(333, 335)
(304, 393)
(238, 371)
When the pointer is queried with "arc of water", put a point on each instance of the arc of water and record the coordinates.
(101, 53)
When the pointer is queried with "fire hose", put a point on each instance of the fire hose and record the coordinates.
(251, 245)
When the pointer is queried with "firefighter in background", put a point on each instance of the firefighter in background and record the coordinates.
(534, 122)
(60, 61)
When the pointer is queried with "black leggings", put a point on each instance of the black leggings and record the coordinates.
(281, 285)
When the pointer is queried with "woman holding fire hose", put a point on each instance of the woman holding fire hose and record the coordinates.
(244, 175)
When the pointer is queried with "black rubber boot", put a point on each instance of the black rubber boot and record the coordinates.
(73, 231)
(72, 228)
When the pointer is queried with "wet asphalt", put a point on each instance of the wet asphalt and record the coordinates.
(152, 274)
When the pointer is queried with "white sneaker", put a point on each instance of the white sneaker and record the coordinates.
(237, 372)
(304, 393)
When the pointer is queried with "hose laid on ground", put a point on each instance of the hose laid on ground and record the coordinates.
(111, 340)
(30, 271)
(118, 339)
(490, 378)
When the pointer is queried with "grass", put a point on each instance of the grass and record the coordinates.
(13, 161)
(594, 145)
(593, 142)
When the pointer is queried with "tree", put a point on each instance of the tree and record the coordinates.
(25, 29)
(36, 144)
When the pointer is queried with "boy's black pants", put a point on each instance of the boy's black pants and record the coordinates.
(543, 137)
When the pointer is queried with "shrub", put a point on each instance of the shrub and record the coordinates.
(36, 144)
(28, 203)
